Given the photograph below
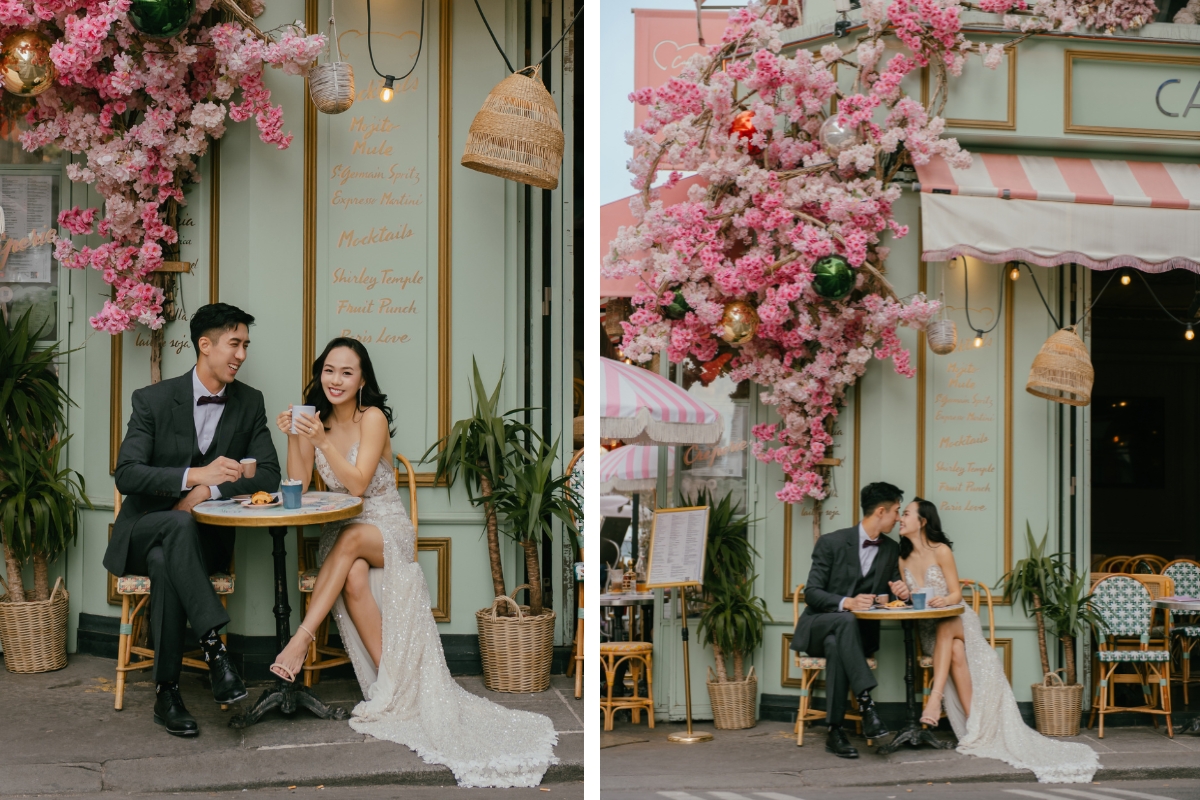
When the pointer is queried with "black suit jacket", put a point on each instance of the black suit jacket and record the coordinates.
(161, 441)
(835, 574)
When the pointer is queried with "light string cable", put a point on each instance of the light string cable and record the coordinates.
(979, 333)
(1186, 323)
(1083, 314)
(390, 80)
(541, 60)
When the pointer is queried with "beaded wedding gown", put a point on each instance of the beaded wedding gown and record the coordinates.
(412, 700)
(995, 728)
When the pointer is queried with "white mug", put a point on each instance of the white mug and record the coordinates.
(308, 411)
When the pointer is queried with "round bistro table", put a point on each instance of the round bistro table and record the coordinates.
(1186, 607)
(913, 733)
(630, 600)
(316, 508)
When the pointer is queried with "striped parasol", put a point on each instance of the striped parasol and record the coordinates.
(633, 468)
(641, 407)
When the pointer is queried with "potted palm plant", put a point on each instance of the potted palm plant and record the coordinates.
(732, 619)
(477, 448)
(1058, 596)
(39, 501)
(528, 501)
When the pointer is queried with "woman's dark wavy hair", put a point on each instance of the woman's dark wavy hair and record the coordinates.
(314, 394)
(934, 534)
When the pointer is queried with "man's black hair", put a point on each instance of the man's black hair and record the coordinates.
(216, 318)
(878, 494)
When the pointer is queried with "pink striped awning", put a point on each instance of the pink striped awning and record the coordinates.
(1100, 213)
(633, 468)
(641, 407)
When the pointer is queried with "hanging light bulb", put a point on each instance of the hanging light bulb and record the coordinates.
(1126, 279)
(1189, 334)
(979, 338)
(387, 92)
(1014, 273)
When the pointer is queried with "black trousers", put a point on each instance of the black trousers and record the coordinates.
(178, 554)
(835, 637)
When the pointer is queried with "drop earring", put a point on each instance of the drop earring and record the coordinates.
(360, 396)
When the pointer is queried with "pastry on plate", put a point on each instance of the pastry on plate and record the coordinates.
(261, 499)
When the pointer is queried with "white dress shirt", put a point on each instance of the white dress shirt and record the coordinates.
(866, 556)
(206, 418)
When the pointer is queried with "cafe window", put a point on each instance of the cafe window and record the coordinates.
(1129, 442)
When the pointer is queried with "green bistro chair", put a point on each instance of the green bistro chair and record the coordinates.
(1126, 611)
(1186, 577)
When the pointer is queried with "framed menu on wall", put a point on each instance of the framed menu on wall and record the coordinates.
(377, 254)
(678, 541)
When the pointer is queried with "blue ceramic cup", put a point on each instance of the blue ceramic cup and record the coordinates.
(291, 492)
(918, 598)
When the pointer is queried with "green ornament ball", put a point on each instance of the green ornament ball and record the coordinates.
(161, 19)
(832, 277)
(677, 308)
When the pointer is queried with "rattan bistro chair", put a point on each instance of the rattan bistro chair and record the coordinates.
(1185, 575)
(979, 593)
(321, 655)
(133, 618)
(810, 669)
(1125, 610)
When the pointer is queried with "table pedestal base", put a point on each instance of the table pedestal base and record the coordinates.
(1192, 728)
(287, 697)
(915, 735)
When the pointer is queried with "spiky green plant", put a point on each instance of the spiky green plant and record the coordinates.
(1069, 612)
(1028, 581)
(733, 619)
(528, 501)
(478, 448)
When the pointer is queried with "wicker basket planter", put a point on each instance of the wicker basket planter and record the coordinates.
(1056, 706)
(516, 134)
(942, 336)
(516, 651)
(331, 85)
(34, 634)
(733, 703)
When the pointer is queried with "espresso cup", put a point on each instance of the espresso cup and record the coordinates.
(918, 600)
(307, 411)
(249, 465)
(291, 492)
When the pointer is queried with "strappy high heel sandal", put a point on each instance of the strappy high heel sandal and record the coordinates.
(932, 713)
(282, 671)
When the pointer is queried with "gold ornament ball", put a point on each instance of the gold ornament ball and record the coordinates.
(25, 63)
(739, 323)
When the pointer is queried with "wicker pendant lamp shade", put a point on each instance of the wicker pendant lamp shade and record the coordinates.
(516, 134)
(1062, 370)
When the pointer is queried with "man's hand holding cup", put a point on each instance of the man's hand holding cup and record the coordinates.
(862, 602)
(219, 470)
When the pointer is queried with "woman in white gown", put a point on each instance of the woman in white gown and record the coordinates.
(967, 673)
(380, 598)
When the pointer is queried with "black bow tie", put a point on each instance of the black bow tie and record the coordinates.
(870, 543)
(219, 399)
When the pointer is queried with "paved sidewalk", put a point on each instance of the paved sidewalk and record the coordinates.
(61, 735)
(633, 757)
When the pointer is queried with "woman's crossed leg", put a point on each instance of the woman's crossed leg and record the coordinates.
(949, 661)
(344, 572)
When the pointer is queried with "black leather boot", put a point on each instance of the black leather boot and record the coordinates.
(227, 685)
(170, 712)
(873, 727)
(837, 743)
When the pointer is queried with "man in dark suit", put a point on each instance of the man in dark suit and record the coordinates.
(851, 568)
(186, 438)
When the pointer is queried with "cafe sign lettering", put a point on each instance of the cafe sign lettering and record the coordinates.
(8, 245)
(1132, 94)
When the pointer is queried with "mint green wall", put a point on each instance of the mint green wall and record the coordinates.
(887, 449)
(261, 258)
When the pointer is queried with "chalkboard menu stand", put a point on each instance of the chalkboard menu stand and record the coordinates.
(678, 548)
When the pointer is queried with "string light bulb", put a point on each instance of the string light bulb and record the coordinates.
(387, 92)
(1126, 279)
(1014, 273)
(979, 338)
(1189, 334)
